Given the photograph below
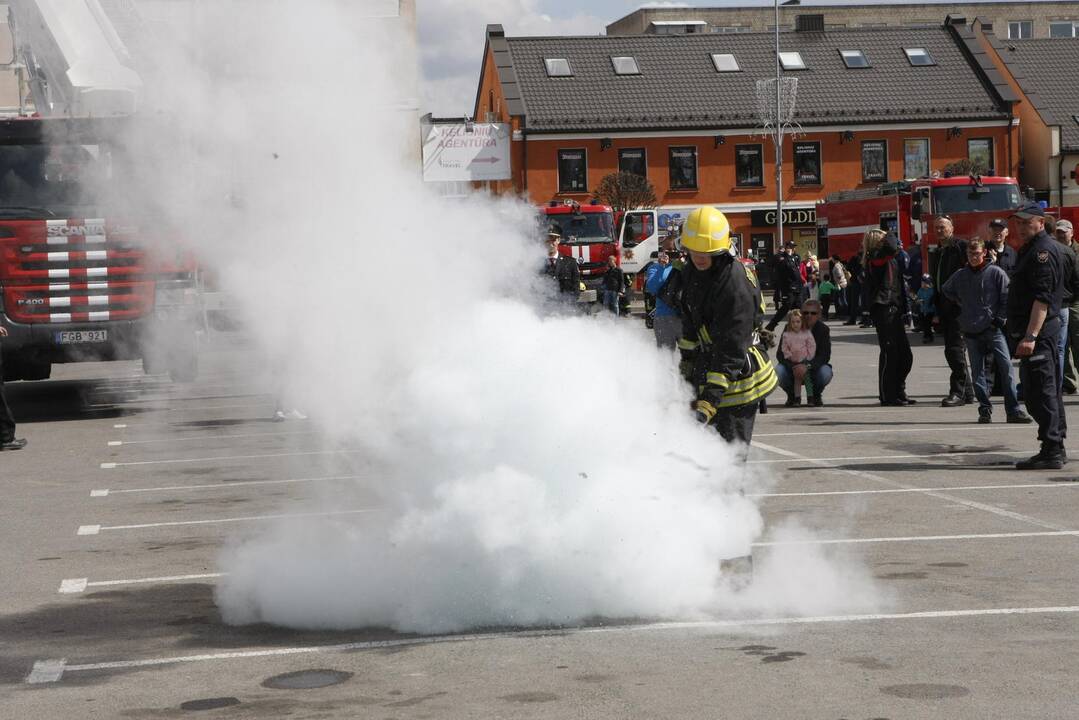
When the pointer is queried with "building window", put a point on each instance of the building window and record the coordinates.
(749, 165)
(875, 161)
(625, 66)
(807, 163)
(919, 56)
(557, 67)
(727, 29)
(1063, 29)
(792, 61)
(980, 153)
(1021, 30)
(915, 158)
(854, 58)
(683, 165)
(572, 171)
(725, 62)
(632, 160)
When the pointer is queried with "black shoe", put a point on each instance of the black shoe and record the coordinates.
(985, 418)
(816, 401)
(793, 401)
(907, 400)
(13, 444)
(953, 401)
(1020, 418)
(1047, 459)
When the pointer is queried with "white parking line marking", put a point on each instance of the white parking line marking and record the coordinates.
(121, 426)
(78, 585)
(916, 490)
(46, 671)
(891, 431)
(95, 529)
(920, 538)
(73, 585)
(109, 466)
(932, 493)
(218, 486)
(211, 437)
(795, 458)
(114, 443)
(53, 670)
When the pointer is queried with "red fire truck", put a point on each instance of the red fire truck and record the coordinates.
(76, 284)
(587, 236)
(909, 208)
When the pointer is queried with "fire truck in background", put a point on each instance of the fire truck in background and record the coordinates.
(78, 282)
(909, 208)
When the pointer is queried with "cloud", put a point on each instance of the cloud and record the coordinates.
(451, 43)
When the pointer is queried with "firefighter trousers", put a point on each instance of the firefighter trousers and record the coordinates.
(735, 425)
(7, 422)
(896, 358)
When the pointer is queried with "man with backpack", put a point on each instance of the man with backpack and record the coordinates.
(663, 279)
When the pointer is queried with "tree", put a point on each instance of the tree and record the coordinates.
(626, 191)
(966, 166)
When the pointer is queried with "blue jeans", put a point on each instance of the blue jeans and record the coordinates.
(1062, 345)
(610, 300)
(991, 343)
(819, 377)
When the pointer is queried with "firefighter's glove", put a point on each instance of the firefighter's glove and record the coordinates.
(705, 410)
(768, 337)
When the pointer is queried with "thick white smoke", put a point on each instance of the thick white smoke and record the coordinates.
(531, 467)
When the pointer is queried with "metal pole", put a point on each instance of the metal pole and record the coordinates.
(778, 139)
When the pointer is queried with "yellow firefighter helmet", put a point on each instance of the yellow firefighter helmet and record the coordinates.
(707, 231)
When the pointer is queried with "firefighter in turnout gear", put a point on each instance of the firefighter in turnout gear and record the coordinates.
(722, 309)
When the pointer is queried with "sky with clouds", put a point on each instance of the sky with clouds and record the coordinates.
(452, 35)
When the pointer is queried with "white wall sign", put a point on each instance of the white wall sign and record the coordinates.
(451, 153)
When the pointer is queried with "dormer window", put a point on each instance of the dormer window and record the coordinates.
(557, 67)
(725, 62)
(625, 66)
(919, 56)
(792, 61)
(854, 58)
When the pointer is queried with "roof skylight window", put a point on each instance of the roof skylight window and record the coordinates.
(919, 56)
(792, 61)
(854, 58)
(625, 66)
(558, 67)
(725, 62)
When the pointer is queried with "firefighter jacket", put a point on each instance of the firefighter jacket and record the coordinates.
(722, 356)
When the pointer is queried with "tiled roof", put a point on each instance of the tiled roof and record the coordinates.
(1046, 72)
(679, 88)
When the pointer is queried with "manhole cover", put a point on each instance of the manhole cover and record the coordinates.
(925, 691)
(209, 703)
(306, 679)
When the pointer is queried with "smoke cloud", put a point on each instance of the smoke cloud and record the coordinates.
(531, 467)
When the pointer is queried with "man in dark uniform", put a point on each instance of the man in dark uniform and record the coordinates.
(788, 283)
(951, 254)
(562, 268)
(8, 441)
(1033, 331)
(721, 312)
(889, 305)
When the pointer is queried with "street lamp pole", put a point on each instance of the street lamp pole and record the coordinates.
(779, 132)
(778, 144)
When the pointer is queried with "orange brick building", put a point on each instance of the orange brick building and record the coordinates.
(873, 105)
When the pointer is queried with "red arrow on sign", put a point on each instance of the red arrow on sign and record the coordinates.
(491, 160)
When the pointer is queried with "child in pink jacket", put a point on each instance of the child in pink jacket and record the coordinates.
(797, 348)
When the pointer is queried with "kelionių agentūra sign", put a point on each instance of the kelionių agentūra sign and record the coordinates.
(792, 217)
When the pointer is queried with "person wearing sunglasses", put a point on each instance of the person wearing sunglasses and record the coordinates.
(820, 367)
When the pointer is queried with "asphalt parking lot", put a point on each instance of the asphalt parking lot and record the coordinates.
(113, 518)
